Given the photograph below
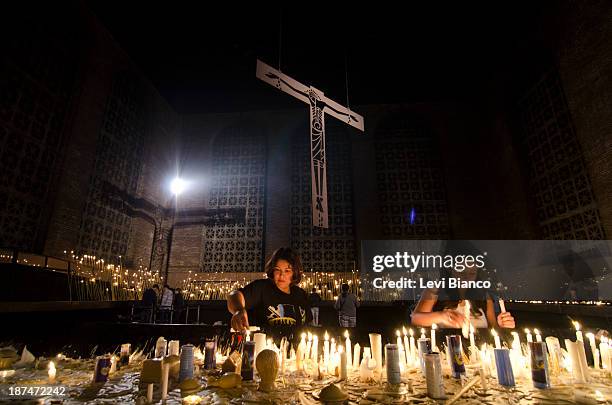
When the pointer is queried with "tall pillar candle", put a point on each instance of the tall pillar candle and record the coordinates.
(164, 379)
(356, 354)
(260, 342)
(594, 352)
(434, 346)
(348, 348)
(394, 375)
(343, 363)
(314, 351)
(577, 370)
(173, 348)
(376, 345)
(326, 350)
(554, 351)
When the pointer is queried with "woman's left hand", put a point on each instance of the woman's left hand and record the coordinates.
(505, 320)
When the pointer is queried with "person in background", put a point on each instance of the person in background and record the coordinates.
(346, 305)
(165, 305)
(179, 304)
(314, 299)
(149, 303)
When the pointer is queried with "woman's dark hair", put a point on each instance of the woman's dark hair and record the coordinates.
(291, 257)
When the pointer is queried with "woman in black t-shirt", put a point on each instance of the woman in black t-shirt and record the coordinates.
(276, 301)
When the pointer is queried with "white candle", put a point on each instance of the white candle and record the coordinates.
(376, 345)
(577, 370)
(343, 363)
(308, 347)
(326, 350)
(496, 337)
(348, 349)
(465, 328)
(594, 351)
(164, 379)
(516, 342)
(472, 340)
(260, 342)
(502, 306)
(578, 332)
(248, 336)
(315, 348)
(174, 347)
(422, 333)
(52, 372)
(113, 367)
(406, 347)
(412, 346)
(538, 336)
(356, 354)
(603, 352)
(434, 346)
(529, 336)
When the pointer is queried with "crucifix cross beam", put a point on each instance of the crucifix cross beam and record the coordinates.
(319, 107)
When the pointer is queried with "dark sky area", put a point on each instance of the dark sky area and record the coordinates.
(202, 59)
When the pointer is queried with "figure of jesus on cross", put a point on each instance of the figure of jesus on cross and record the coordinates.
(319, 106)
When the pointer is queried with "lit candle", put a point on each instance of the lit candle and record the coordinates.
(315, 348)
(422, 333)
(529, 336)
(538, 336)
(578, 332)
(472, 340)
(465, 328)
(326, 350)
(347, 345)
(516, 342)
(434, 346)
(248, 336)
(502, 306)
(52, 372)
(496, 337)
(406, 347)
(594, 350)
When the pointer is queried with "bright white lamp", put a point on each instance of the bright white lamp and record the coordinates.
(177, 186)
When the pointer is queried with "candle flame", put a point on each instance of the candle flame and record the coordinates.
(326, 336)
(493, 332)
(576, 325)
(404, 330)
(346, 334)
(434, 326)
(527, 331)
(411, 332)
(537, 332)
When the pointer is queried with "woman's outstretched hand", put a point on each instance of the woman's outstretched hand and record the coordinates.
(452, 319)
(505, 320)
(240, 320)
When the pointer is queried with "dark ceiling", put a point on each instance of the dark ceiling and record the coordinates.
(202, 59)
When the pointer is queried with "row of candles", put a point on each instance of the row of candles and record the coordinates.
(342, 356)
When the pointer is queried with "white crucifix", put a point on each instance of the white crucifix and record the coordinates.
(319, 106)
